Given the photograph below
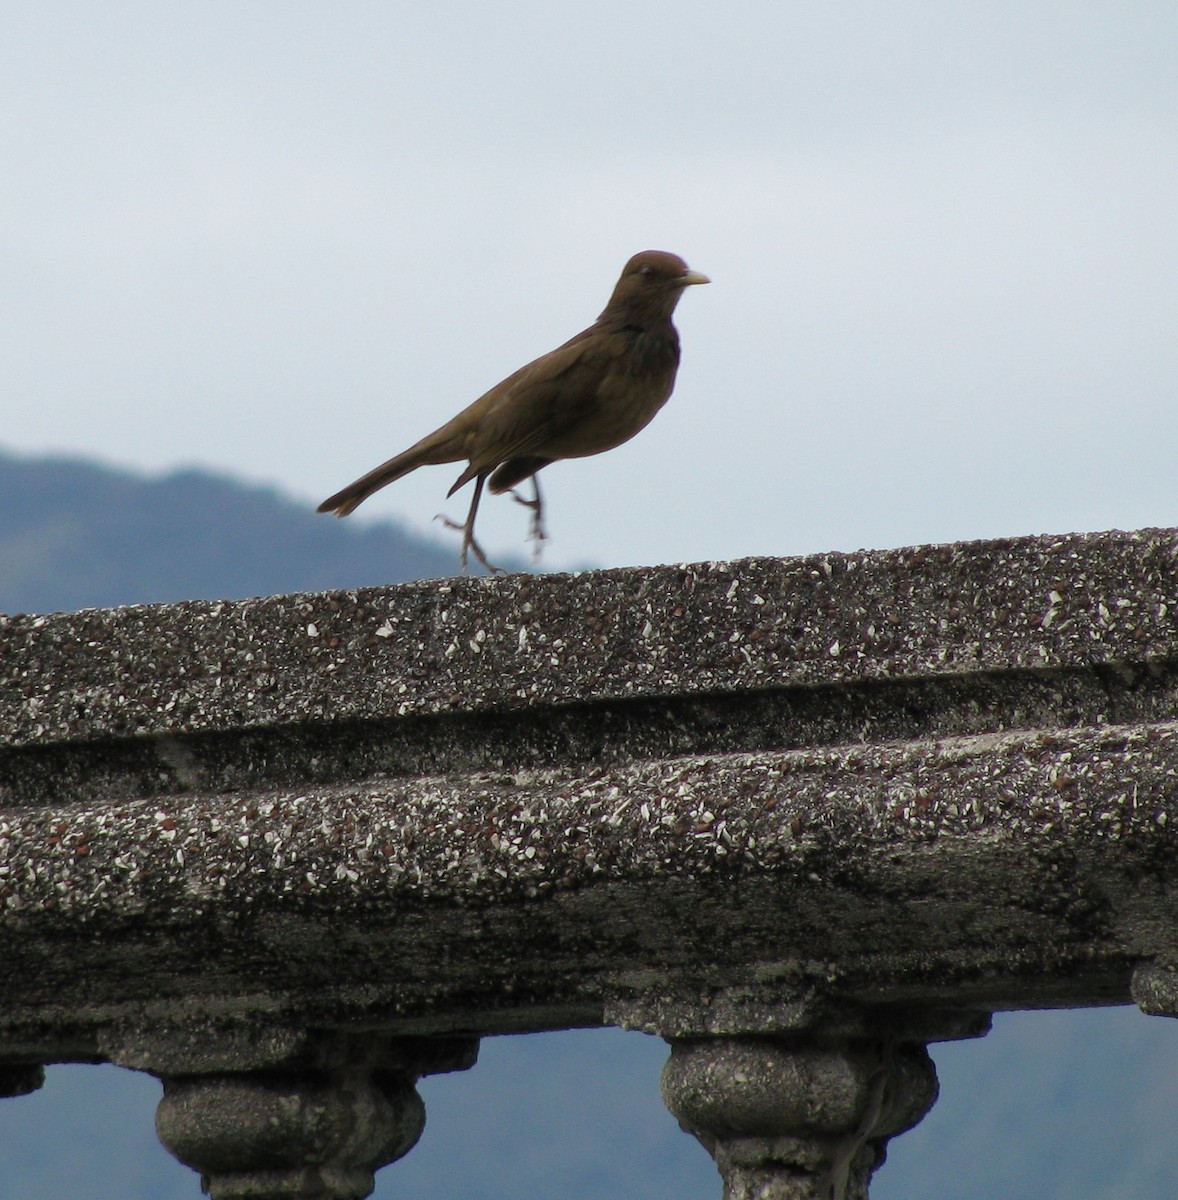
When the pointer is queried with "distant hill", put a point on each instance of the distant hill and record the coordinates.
(74, 534)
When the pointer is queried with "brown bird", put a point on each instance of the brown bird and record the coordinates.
(591, 394)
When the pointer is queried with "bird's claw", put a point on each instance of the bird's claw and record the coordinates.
(536, 533)
(469, 543)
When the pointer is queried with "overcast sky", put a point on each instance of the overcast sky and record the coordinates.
(285, 240)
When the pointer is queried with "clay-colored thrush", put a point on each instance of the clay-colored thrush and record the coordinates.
(591, 394)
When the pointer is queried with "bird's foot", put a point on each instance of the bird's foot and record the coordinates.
(470, 544)
(536, 532)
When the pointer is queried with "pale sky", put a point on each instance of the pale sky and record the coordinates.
(285, 240)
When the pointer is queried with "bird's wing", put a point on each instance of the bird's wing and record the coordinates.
(535, 405)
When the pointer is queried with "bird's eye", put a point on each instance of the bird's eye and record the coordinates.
(646, 272)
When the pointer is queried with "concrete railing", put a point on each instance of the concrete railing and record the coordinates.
(800, 817)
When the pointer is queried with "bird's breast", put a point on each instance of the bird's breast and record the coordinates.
(636, 383)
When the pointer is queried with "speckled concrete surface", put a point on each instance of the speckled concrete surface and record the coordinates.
(934, 776)
(520, 641)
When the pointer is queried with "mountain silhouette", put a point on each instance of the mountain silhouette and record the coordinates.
(76, 534)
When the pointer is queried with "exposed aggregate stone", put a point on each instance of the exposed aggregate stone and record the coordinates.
(953, 766)
(486, 838)
(519, 641)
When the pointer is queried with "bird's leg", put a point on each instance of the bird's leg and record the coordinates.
(537, 533)
(468, 538)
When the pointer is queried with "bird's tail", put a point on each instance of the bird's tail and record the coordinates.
(430, 450)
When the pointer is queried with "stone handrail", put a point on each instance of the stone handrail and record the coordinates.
(800, 817)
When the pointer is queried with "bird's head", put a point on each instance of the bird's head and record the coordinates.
(650, 286)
